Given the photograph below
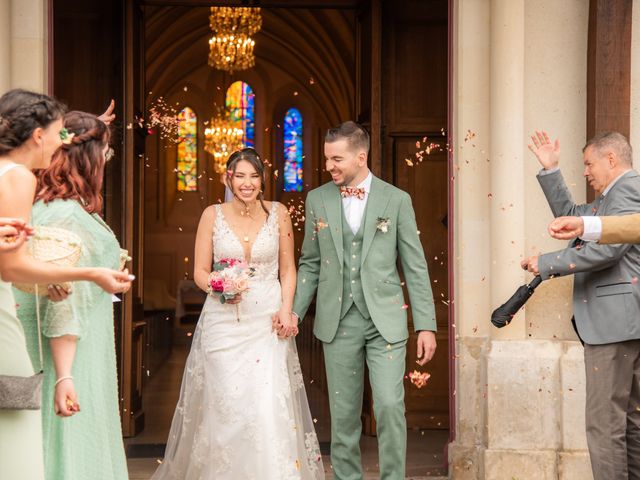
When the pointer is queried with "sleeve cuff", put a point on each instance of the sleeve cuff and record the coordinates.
(592, 229)
(544, 171)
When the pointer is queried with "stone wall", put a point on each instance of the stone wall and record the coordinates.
(519, 65)
(23, 45)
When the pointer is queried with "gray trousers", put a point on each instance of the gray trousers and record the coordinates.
(613, 409)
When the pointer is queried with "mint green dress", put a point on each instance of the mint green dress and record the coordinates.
(87, 445)
(20, 430)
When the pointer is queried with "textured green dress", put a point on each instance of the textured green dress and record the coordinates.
(87, 445)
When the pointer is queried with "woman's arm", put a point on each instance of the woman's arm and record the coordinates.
(203, 256)
(621, 229)
(288, 275)
(16, 198)
(65, 398)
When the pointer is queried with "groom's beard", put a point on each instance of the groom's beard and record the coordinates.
(346, 182)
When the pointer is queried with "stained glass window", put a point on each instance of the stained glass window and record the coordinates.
(187, 151)
(293, 151)
(240, 102)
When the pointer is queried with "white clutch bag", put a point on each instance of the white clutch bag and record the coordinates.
(56, 246)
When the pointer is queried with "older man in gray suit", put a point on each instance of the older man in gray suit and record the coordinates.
(606, 298)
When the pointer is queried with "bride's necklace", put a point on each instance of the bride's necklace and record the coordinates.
(245, 211)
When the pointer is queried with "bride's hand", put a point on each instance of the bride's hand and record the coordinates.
(288, 324)
(234, 300)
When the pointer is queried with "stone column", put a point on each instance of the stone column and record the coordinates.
(28, 52)
(5, 45)
(506, 140)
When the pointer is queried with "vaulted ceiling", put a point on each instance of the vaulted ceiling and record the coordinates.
(303, 44)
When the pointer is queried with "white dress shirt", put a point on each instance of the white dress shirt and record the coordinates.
(354, 207)
(593, 224)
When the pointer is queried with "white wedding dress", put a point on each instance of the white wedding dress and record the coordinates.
(243, 412)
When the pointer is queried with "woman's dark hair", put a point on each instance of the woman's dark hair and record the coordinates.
(251, 156)
(21, 112)
(77, 168)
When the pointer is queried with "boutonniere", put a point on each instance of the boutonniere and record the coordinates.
(66, 136)
(383, 224)
(320, 224)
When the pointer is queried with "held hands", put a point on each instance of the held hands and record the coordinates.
(566, 228)
(65, 398)
(13, 233)
(531, 264)
(285, 324)
(547, 153)
(426, 346)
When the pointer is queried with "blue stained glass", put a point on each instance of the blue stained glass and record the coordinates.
(293, 151)
(240, 103)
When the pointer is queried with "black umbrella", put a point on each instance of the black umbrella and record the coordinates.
(502, 315)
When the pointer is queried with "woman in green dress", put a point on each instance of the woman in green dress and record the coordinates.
(30, 128)
(81, 419)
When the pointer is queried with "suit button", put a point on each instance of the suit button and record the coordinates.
(353, 256)
(353, 281)
(354, 243)
(353, 269)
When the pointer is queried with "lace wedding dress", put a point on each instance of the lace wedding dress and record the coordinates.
(243, 411)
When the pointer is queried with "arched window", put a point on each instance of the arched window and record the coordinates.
(293, 154)
(240, 103)
(187, 168)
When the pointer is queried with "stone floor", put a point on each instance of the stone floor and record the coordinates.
(425, 458)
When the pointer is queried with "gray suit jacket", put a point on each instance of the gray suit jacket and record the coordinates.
(606, 293)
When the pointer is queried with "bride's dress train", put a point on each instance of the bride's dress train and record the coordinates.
(243, 411)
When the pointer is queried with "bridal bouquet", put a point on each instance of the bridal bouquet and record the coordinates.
(230, 277)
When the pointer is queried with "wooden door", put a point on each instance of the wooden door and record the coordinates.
(96, 58)
(414, 116)
(132, 334)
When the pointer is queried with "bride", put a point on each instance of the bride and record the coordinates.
(243, 411)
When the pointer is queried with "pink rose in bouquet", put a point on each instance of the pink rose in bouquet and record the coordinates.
(241, 284)
(229, 278)
(216, 283)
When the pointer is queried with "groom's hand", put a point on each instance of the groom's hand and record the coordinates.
(426, 346)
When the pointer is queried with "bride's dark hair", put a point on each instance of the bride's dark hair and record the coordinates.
(251, 156)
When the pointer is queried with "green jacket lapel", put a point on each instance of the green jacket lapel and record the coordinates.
(376, 205)
(333, 206)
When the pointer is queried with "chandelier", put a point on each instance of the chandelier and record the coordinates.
(231, 46)
(221, 140)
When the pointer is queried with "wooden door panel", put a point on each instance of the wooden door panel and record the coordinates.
(426, 182)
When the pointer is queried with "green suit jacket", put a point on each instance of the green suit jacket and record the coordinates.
(322, 261)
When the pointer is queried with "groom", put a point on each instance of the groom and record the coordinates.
(356, 228)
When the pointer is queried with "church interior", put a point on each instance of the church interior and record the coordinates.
(316, 63)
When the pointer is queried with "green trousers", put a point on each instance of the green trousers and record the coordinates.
(358, 340)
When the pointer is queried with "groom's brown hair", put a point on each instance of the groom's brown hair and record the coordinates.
(355, 135)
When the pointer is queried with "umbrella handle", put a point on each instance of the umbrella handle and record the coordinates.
(537, 280)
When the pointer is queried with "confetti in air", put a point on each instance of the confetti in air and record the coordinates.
(419, 379)
(424, 148)
(162, 118)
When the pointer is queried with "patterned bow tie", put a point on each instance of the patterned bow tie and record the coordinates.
(357, 192)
